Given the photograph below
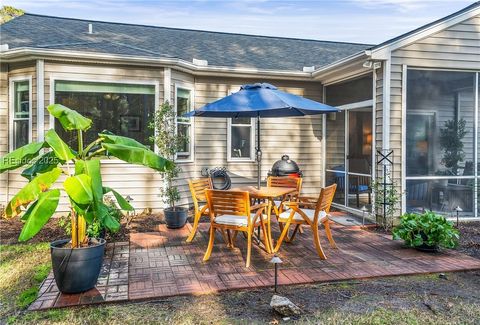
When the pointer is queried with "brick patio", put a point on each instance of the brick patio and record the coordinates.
(160, 264)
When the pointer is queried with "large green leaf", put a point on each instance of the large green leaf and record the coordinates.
(39, 213)
(106, 218)
(79, 188)
(61, 149)
(21, 156)
(70, 119)
(31, 191)
(124, 205)
(44, 163)
(138, 156)
(118, 139)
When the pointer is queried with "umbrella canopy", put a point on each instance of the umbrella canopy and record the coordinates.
(261, 100)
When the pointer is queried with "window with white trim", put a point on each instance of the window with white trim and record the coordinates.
(21, 114)
(241, 139)
(183, 105)
(122, 108)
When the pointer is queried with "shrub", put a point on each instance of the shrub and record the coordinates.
(427, 229)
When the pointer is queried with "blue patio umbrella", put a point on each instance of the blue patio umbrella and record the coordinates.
(261, 100)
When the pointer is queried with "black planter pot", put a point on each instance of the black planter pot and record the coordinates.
(76, 270)
(176, 217)
(427, 248)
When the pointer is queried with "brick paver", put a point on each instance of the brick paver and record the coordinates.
(161, 263)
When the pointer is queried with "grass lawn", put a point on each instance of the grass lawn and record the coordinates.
(401, 300)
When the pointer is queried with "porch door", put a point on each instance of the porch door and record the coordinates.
(349, 154)
(359, 158)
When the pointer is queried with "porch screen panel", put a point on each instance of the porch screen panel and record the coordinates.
(124, 109)
(440, 141)
(352, 91)
(335, 154)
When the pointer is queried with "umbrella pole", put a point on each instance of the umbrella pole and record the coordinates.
(258, 154)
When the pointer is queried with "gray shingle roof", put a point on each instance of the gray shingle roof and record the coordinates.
(219, 49)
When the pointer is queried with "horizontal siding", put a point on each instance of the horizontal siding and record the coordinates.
(457, 47)
(300, 138)
(3, 128)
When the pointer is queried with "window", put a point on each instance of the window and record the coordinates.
(21, 117)
(440, 141)
(183, 105)
(124, 109)
(241, 139)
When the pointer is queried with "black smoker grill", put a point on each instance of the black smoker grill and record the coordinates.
(285, 167)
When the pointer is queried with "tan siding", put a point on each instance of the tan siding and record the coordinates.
(139, 182)
(457, 47)
(3, 128)
(298, 137)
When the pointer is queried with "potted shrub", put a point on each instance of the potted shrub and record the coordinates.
(169, 142)
(426, 232)
(77, 261)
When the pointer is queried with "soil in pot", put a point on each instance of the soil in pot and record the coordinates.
(76, 270)
(176, 217)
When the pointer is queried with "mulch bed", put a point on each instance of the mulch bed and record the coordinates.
(145, 222)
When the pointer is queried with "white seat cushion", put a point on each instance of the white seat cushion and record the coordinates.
(233, 220)
(310, 213)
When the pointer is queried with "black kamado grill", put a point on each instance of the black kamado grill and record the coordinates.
(285, 167)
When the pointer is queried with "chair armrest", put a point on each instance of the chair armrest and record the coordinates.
(301, 204)
(308, 199)
(258, 206)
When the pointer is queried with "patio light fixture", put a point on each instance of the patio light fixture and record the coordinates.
(458, 209)
(276, 260)
(364, 210)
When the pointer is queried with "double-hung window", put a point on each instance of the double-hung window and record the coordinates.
(183, 105)
(241, 139)
(22, 113)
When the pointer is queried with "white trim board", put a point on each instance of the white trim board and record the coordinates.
(11, 108)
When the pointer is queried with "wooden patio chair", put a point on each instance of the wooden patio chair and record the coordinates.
(231, 211)
(308, 211)
(197, 189)
(286, 181)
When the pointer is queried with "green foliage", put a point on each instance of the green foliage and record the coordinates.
(169, 142)
(391, 196)
(427, 229)
(29, 295)
(451, 142)
(8, 13)
(95, 228)
(83, 183)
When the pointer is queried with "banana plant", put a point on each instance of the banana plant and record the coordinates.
(46, 161)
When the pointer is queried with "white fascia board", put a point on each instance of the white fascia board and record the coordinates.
(382, 53)
(320, 72)
(20, 54)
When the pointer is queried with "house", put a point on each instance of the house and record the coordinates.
(416, 95)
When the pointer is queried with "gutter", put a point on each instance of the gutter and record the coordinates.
(332, 66)
(20, 54)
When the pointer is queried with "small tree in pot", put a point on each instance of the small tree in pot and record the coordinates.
(169, 142)
(77, 261)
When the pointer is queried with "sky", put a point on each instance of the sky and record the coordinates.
(360, 21)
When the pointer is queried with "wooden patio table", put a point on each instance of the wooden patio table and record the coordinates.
(268, 194)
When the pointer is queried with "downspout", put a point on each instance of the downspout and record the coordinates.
(167, 96)
(387, 75)
(40, 100)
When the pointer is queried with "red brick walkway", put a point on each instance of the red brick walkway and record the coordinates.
(161, 264)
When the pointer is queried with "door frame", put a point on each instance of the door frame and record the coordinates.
(347, 108)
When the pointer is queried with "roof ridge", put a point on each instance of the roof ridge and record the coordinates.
(196, 30)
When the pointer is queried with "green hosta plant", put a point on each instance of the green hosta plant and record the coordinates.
(427, 229)
(46, 161)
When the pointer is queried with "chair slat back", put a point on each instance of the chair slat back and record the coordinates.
(285, 181)
(228, 202)
(198, 187)
(326, 198)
